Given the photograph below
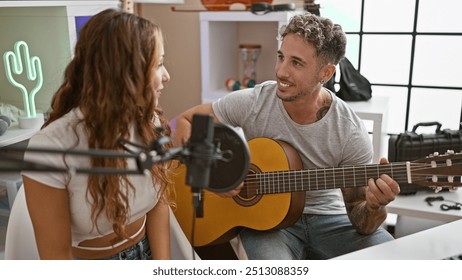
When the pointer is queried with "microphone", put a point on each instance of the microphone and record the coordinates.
(199, 164)
(202, 152)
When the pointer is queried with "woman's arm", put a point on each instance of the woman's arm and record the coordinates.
(49, 211)
(158, 231)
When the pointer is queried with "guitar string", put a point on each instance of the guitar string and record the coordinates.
(286, 175)
(348, 179)
(350, 171)
(270, 184)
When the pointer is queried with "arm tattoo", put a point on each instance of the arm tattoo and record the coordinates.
(364, 220)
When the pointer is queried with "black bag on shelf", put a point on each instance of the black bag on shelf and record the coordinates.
(353, 85)
(410, 146)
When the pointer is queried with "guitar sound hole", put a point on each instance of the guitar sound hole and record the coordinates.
(248, 195)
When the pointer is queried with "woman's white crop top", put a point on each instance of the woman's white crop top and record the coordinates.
(60, 135)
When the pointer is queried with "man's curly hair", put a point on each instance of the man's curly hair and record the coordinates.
(328, 38)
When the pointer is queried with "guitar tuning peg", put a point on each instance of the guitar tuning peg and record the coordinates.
(434, 154)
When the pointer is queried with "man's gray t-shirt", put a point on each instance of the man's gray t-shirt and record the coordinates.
(338, 139)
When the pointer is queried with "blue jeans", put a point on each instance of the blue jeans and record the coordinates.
(139, 251)
(314, 237)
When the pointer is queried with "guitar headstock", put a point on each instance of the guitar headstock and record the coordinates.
(438, 171)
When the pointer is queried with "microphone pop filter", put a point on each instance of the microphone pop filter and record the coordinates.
(227, 175)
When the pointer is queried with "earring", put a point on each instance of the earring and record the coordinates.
(322, 82)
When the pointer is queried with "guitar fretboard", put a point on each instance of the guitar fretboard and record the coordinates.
(324, 178)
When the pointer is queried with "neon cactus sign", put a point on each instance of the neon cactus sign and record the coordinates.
(33, 68)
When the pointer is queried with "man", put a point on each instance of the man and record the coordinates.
(297, 109)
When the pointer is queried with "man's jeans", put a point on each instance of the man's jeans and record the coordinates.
(313, 237)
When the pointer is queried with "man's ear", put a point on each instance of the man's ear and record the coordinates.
(328, 72)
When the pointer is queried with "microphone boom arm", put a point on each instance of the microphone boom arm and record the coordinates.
(144, 160)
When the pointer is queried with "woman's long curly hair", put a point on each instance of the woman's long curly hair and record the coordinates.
(110, 80)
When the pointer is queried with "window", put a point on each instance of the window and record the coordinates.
(410, 52)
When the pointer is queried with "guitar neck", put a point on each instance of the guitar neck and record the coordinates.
(323, 179)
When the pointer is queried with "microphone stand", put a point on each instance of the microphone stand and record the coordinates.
(144, 159)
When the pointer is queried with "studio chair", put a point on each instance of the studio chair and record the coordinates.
(20, 239)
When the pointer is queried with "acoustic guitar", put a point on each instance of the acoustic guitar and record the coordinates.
(273, 195)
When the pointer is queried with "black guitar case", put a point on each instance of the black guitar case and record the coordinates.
(411, 145)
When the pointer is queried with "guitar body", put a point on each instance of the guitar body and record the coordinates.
(223, 218)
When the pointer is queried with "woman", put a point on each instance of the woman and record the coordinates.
(110, 93)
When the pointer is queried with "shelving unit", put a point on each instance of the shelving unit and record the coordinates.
(221, 33)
